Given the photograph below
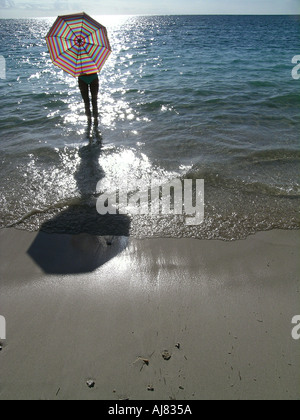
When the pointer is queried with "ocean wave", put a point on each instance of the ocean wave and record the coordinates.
(291, 99)
(264, 180)
(152, 106)
(262, 83)
(273, 155)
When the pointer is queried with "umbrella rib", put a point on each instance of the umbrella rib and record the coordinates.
(61, 55)
(56, 38)
(84, 47)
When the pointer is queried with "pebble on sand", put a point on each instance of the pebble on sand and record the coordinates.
(166, 355)
(90, 383)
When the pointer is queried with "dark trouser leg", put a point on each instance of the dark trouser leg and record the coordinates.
(84, 89)
(94, 86)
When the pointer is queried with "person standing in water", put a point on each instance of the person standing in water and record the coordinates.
(90, 83)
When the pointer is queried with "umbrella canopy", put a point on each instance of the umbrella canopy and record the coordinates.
(78, 44)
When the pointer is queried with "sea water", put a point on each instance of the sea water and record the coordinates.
(181, 97)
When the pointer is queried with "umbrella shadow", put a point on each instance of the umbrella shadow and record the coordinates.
(79, 240)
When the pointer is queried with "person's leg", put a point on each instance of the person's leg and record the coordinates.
(84, 89)
(94, 86)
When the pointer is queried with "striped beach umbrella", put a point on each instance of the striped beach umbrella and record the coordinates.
(78, 44)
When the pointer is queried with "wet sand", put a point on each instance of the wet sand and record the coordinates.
(151, 319)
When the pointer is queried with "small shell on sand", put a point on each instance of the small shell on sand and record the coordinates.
(166, 355)
(90, 383)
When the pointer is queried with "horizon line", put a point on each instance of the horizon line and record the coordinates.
(161, 14)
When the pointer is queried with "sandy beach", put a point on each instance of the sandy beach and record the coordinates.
(155, 319)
